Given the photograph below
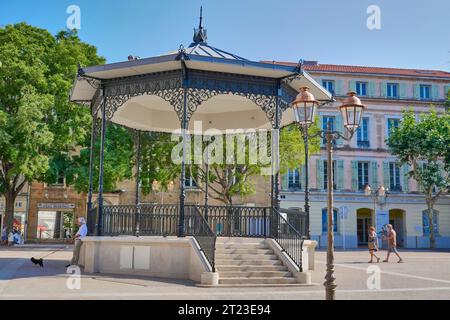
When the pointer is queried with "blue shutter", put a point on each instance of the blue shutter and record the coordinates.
(319, 174)
(405, 170)
(416, 90)
(383, 89)
(426, 223)
(386, 175)
(338, 88)
(352, 85)
(402, 93)
(324, 220)
(372, 89)
(374, 182)
(446, 91)
(434, 92)
(339, 126)
(340, 175)
(285, 181)
(355, 175)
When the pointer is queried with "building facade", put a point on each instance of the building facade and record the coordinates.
(365, 160)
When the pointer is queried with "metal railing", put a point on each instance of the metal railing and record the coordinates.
(287, 236)
(197, 226)
(158, 220)
(238, 221)
(119, 220)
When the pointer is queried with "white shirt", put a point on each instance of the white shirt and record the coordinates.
(82, 231)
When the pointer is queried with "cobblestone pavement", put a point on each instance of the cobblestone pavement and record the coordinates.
(424, 275)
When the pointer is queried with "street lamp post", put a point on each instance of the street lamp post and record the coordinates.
(352, 110)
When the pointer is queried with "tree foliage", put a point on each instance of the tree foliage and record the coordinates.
(423, 144)
(38, 121)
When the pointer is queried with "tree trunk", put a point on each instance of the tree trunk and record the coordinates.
(430, 205)
(10, 199)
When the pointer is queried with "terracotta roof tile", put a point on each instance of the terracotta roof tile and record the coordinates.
(368, 70)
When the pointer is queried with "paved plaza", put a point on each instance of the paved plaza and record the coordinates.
(424, 275)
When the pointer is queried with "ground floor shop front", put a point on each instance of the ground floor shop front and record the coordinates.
(355, 213)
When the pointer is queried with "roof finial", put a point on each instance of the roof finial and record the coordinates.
(200, 33)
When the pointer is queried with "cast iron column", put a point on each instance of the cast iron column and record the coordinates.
(91, 161)
(306, 141)
(207, 182)
(101, 169)
(137, 194)
(183, 162)
(277, 148)
(330, 285)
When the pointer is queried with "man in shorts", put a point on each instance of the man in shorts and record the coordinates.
(391, 237)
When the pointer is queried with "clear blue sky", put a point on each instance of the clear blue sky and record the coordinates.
(414, 34)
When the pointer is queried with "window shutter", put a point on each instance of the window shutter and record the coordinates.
(405, 170)
(355, 175)
(303, 176)
(417, 91)
(320, 125)
(285, 181)
(386, 175)
(324, 220)
(339, 126)
(374, 182)
(402, 89)
(372, 89)
(426, 223)
(435, 92)
(319, 174)
(352, 85)
(340, 175)
(383, 89)
(338, 88)
(446, 89)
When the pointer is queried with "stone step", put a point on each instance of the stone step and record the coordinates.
(247, 256)
(254, 274)
(236, 241)
(243, 251)
(238, 262)
(252, 246)
(242, 281)
(245, 268)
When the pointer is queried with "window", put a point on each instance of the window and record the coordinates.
(329, 85)
(325, 175)
(189, 182)
(391, 124)
(361, 88)
(325, 121)
(18, 204)
(363, 134)
(394, 177)
(425, 92)
(392, 90)
(363, 175)
(294, 179)
(426, 223)
(325, 220)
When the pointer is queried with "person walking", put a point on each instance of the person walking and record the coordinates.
(391, 237)
(79, 236)
(373, 244)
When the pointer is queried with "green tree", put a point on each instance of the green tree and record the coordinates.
(424, 145)
(235, 178)
(38, 123)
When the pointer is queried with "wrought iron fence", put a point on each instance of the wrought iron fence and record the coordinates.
(238, 221)
(197, 226)
(158, 220)
(119, 220)
(287, 236)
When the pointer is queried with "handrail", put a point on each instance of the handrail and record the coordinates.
(197, 226)
(287, 237)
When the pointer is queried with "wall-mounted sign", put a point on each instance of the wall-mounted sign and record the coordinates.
(56, 206)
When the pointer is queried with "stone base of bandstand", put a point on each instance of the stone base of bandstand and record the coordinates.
(161, 257)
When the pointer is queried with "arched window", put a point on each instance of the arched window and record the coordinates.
(325, 220)
(426, 222)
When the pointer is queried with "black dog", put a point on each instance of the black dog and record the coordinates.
(38, 262)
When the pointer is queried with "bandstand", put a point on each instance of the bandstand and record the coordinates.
(170, 92)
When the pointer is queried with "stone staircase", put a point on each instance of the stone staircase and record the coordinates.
(248, 261)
